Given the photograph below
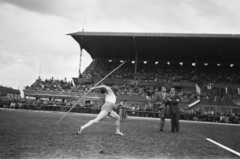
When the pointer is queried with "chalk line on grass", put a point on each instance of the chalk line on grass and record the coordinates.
(224, 147)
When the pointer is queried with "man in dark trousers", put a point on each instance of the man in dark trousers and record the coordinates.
(174, 109)
(161, 99)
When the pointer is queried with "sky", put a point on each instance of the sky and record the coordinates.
(33, 38)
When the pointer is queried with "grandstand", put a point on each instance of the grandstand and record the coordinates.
(6, 92)
(209, 62)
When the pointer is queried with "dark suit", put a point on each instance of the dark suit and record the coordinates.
(174, 112)
(161, 99)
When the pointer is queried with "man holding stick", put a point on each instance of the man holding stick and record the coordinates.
(161, 99)
(106, 109)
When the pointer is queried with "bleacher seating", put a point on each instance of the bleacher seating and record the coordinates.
(154, 72)
(147, 80)
(5, 90)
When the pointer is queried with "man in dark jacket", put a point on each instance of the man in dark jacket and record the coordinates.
(174, 109)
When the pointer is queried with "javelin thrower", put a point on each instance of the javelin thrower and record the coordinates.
(110, 97)
(106, 109)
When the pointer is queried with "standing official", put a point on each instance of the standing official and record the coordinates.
(161, 99)
(174, 109)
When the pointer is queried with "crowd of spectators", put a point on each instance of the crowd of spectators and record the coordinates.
(5, 90)
(145, 72)
(163, 71)
(51, 84)
(211, 116)
(33, 103)
(100, 68)
(148, 92)
(132, 108)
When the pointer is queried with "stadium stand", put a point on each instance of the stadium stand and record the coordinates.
(177, 60)
(51, 84)
(124, 84)
(8, 92)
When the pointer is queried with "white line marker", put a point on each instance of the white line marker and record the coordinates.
(224, 147)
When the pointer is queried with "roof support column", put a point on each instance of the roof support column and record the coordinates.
(80, 63)
(136, 57)
(196, 59)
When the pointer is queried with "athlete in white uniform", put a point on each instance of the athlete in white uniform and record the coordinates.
(106, 110)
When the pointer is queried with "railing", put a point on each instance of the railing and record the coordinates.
(137, 113)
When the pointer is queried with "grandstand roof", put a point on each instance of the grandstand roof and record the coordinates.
(161, 46)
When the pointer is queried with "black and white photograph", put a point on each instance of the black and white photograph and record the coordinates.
(119, 79)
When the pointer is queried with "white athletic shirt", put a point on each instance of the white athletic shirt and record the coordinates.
(110, 96)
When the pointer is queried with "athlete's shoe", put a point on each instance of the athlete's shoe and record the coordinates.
(119, 133)
(78, 132)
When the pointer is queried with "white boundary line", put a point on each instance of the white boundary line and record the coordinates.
(224, 147)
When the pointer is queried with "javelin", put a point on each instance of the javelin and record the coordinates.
(88, 92)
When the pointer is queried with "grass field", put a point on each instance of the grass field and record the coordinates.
(33, 134)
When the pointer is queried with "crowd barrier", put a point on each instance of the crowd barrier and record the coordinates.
(124, 113)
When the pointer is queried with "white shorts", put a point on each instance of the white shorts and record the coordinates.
(107, 106)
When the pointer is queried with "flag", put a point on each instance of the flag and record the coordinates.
(73, 82)
(198, 89)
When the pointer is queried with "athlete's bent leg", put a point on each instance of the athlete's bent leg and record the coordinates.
(100, 117)
(115, 116)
